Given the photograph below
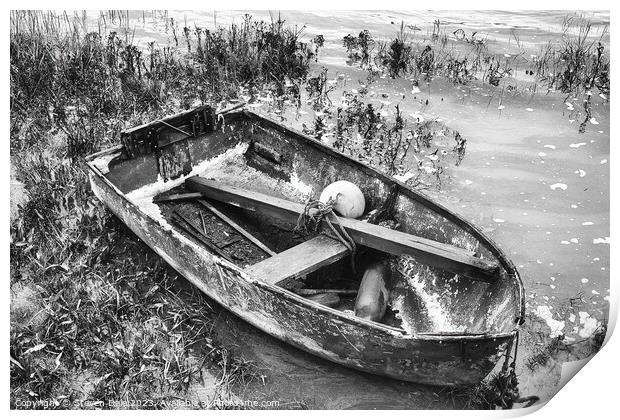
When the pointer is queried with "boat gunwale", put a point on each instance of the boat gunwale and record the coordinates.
(423, 336)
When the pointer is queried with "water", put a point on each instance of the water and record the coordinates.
(529, 179)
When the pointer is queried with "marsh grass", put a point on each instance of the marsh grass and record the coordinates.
(359, 49)
(319, 90)
(413, 149)
(95, 314)
(578, 64)
(396, 55)
(255, 53)
(91, 85)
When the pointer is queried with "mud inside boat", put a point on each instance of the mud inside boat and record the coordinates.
(257, 154)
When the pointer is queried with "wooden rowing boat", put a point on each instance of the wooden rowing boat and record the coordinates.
(218, 197)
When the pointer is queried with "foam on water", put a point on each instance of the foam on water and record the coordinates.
(588, 323)
(544, 312)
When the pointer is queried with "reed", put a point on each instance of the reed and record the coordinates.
(359, 49)
(92, 83)
(576, 64)
(415, 149)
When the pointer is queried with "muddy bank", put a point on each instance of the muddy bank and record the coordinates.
(296, 378)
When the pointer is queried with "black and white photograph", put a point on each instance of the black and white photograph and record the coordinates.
(300, 209)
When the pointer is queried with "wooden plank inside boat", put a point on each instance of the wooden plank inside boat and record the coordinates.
(238, 228)
(300, 260)
(426, 251)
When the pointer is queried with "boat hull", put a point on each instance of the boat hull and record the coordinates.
(327, 333)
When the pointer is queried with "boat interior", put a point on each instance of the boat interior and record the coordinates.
(237, 188)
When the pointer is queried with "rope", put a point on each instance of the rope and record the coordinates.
(308, 223)
(507, 381)
(514, 343)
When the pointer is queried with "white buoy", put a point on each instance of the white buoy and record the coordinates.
(349, 199)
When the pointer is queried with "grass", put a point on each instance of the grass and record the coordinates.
(92, 306)
(95, 314)
(91, 85)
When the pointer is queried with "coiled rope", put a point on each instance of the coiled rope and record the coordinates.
(314, 213)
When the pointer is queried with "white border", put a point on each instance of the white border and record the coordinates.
(590, 394)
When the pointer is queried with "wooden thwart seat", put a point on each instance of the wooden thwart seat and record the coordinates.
(300, 260)
(426, 251)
